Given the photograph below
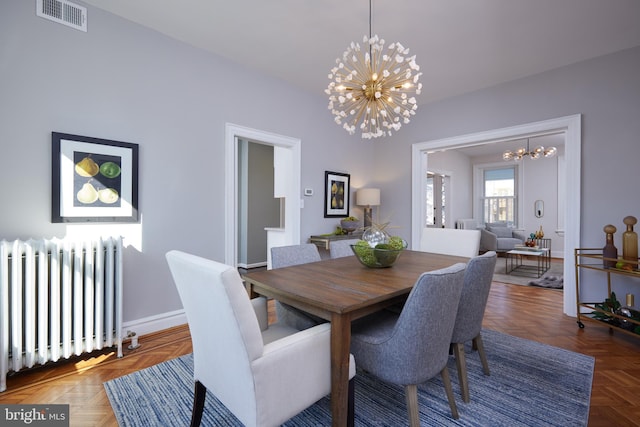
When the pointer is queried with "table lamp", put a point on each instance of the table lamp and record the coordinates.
(368, 197)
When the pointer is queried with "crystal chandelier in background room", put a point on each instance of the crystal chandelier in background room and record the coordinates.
(372, 90)
(536, 153)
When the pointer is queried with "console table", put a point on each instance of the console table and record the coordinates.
(323, 241)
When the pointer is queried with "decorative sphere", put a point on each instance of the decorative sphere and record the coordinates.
(374, 236)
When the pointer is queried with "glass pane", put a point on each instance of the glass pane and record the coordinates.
(499, 195)
(499, 182)
(499, 209)
(430, 209)
(444, 201)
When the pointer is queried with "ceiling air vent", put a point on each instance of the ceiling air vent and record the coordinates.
(63, 12)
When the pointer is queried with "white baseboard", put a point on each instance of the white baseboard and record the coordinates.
(254, 265)
(155, 323)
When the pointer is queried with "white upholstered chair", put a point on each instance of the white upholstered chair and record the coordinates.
(341, 248)
(264, 374)
(450, 241)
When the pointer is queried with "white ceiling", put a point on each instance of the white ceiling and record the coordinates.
(461, 45)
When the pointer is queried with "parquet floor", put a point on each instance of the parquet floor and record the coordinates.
(523, 311)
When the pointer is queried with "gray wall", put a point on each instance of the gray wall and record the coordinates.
(605, 90)
(124, 82)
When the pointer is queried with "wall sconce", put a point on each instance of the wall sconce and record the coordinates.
(538, 208)
(368, 197)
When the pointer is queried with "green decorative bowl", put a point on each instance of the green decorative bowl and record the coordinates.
(376, 257)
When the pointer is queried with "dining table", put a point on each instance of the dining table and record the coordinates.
(341, 290)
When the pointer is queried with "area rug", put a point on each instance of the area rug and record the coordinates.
(548, 281)
(556, 271)
(531, 384)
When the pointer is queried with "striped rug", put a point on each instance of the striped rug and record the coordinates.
(531, 384)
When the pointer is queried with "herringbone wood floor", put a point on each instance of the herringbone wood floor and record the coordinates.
(523, 311)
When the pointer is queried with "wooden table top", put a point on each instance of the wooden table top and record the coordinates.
(343, 285)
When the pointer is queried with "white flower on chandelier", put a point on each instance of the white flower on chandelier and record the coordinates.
(374, 89)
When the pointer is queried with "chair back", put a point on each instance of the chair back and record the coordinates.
(286, 256)
(224, 329)
(467, 224)
(341, 248)
(419, 345)
(475, 293)
(449, 241)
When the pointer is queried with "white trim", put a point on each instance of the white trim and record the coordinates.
(253, 265)
(292, 205)
(571, 126)
(158, 322)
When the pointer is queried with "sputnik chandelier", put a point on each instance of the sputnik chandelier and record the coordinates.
(372, 88)
(536, 153)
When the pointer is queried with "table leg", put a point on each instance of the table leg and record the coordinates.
(340, 343)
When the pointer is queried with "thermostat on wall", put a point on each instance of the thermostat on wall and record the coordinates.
(308, 191)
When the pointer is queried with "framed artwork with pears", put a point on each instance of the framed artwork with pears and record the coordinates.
(93, 180)
(336, 194)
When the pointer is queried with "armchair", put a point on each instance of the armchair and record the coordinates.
(412, 347)
(264, 374)
(286, 256)
(473, 301)
(341, 248)
(498, 237)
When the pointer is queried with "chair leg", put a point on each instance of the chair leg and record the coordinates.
(411, 396)
(446, 380)
(477, 342)
(461, 364)
(351, 413)
(199, 394)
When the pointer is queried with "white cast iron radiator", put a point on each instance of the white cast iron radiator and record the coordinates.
(58, 298)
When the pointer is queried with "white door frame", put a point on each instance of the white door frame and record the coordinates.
(291, 232)
(570, 126)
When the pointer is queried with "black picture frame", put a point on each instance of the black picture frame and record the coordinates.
(337, 194)
(93, 179)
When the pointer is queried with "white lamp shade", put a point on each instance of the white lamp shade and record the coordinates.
(368, 197)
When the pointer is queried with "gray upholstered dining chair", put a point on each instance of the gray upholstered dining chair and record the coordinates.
(264, 374)
(473, 301)
(412, 347)
(341, 248)
(286, 256)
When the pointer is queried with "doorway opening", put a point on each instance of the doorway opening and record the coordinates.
(259, 207)
(287, 167)
(569, 126)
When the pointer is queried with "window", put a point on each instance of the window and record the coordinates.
(499, 196)
(436, 197)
